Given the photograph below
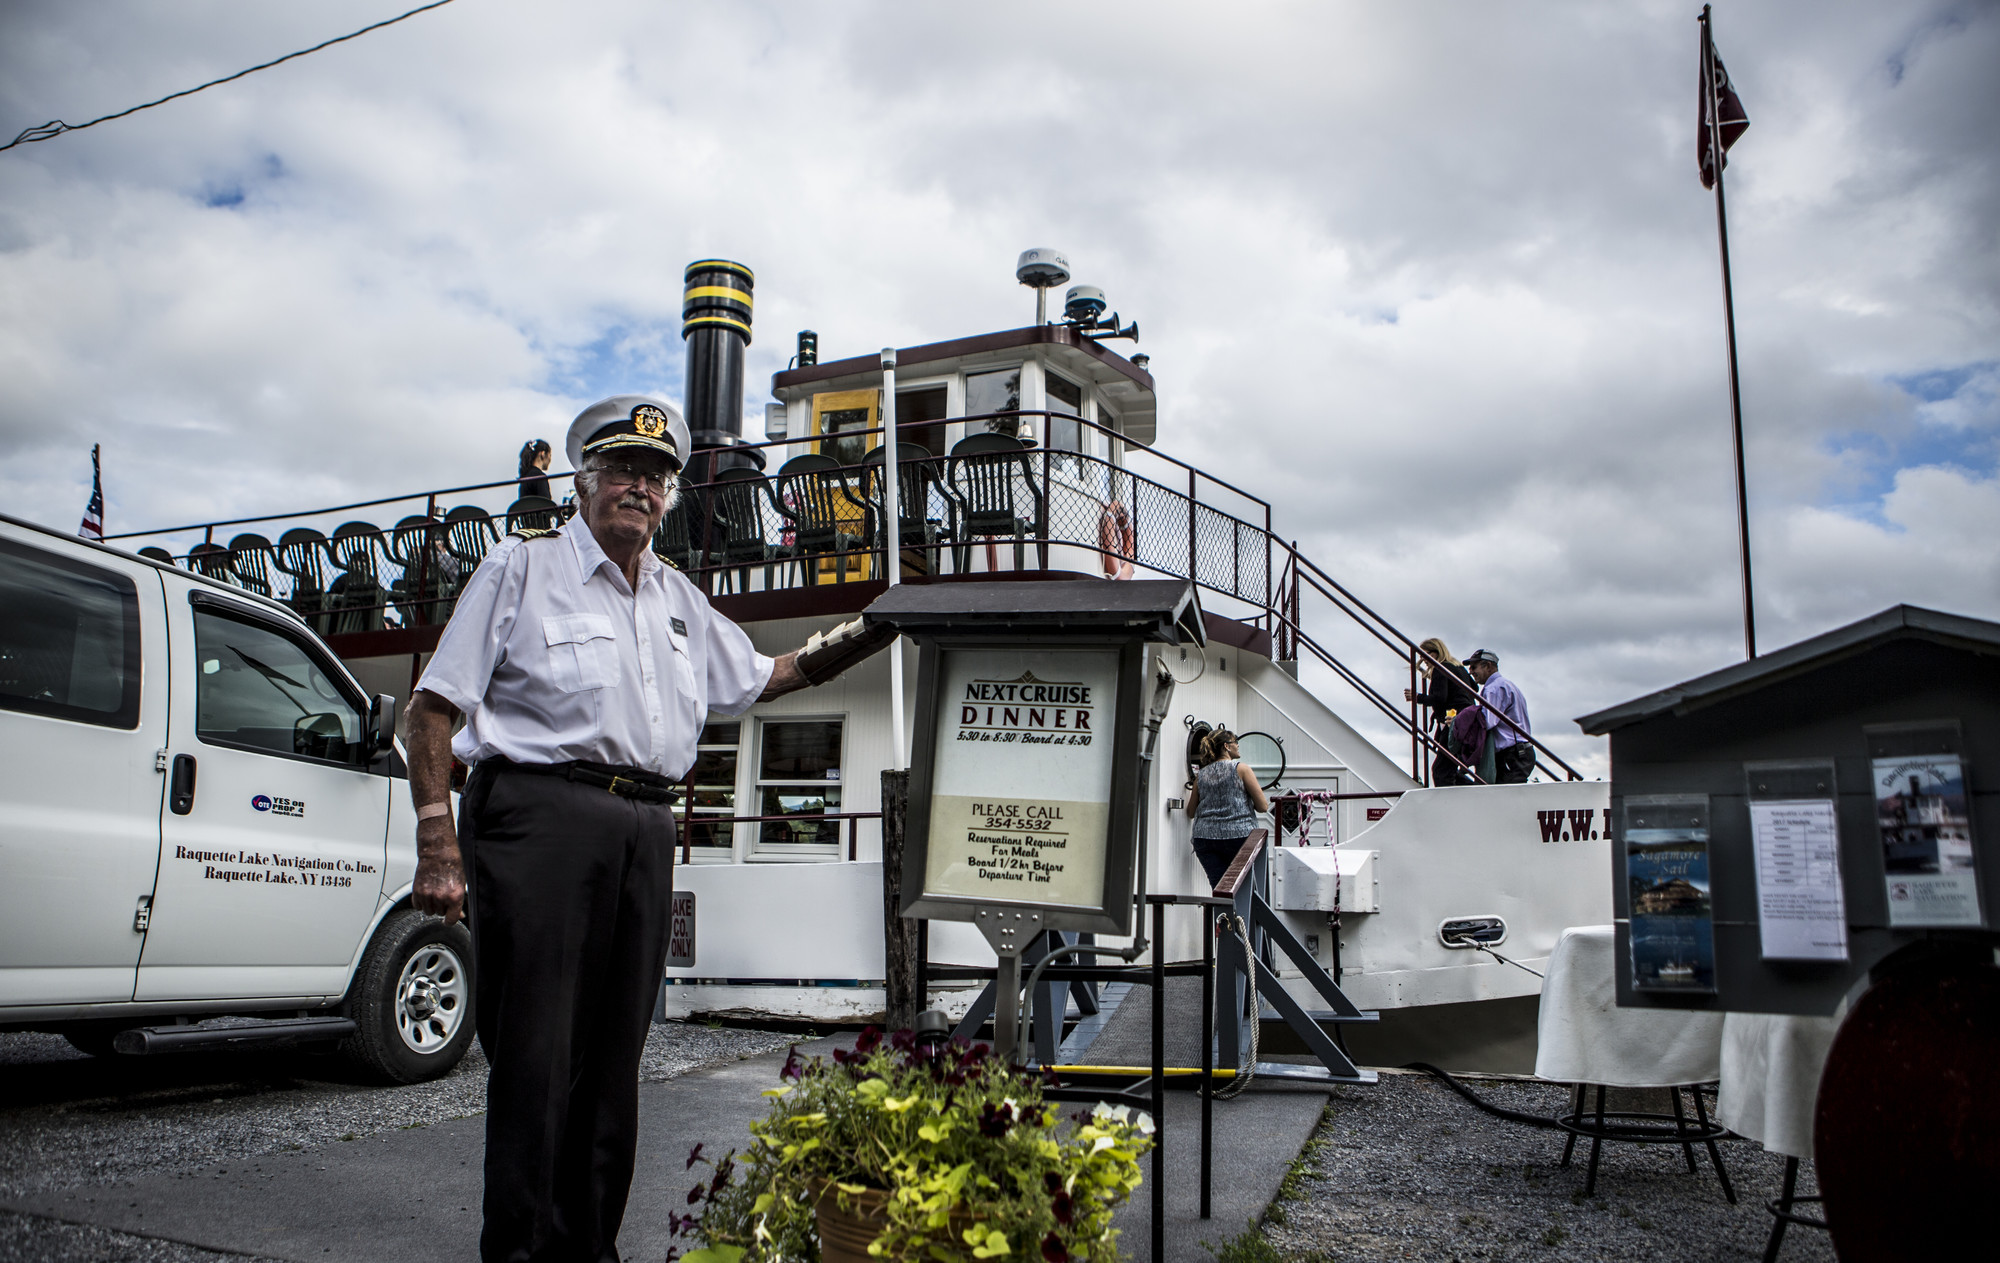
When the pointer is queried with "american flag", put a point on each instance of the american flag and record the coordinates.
(93, 513)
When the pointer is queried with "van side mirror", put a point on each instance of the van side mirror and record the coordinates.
(381, 723)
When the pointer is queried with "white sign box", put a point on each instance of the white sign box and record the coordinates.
(1022, 775)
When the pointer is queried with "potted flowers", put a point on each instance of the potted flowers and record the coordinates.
(900, 1150)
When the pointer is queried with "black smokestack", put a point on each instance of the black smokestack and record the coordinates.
(715, 322)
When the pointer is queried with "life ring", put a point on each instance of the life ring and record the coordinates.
(1117, 542)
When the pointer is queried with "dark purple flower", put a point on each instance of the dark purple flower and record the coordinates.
(694, 1195)
(694, 1156)
(793, 1068)
(871, 1038)
(1052, 1249)
(995, 1121)
(1064, 1207)
(1052, 1182)
(678, 1224)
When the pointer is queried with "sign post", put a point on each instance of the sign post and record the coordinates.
(1026, 809)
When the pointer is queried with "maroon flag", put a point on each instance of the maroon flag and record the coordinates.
(1718, 92)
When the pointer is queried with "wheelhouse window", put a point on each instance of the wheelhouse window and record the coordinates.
(259, 689)
(997, 391)
(712, 790)
(69, 643)
(1065, 432)
(798, 778)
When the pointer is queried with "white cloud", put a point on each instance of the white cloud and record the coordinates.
(1439, 281)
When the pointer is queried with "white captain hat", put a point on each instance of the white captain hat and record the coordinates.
(629, 421)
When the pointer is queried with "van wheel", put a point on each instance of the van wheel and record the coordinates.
(412, 999)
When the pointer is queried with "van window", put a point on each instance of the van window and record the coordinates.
(69, 643)
(258, 689)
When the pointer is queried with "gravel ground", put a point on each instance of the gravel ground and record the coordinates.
(1407, 1169)
(67, 1119)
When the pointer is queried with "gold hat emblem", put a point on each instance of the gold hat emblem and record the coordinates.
(649, 421)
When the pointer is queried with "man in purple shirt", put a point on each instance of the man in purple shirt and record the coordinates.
(1506, 713)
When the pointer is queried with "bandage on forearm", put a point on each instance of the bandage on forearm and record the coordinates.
(827, 654)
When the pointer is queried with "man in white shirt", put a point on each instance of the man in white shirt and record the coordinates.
(584, 666)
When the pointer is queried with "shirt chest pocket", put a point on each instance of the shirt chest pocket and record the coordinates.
(583, 651)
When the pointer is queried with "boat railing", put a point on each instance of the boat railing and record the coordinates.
(993, 505)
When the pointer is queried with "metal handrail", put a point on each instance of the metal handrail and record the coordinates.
(1274, 594)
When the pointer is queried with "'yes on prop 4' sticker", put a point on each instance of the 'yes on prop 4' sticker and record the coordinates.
(279, 806)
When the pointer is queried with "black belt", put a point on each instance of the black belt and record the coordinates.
(626, 782)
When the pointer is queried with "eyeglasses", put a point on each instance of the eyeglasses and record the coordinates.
(626, 476)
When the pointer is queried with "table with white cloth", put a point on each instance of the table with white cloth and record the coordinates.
(1770, 1078)
(1771, 1065)
(1584, 1038)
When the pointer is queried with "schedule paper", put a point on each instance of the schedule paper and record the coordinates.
(1800, 905)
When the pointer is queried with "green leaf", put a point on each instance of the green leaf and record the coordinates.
(715, 1254)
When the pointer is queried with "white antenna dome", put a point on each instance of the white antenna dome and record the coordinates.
(1042, 268)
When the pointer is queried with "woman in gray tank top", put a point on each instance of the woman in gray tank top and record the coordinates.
(1222, 800)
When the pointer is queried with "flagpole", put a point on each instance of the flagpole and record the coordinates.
(1729, 328)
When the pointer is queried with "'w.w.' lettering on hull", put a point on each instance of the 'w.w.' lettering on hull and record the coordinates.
(1578, 825)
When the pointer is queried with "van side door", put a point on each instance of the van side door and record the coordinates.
(83, 711)
(271, 871)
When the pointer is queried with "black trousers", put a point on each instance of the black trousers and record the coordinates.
(1215, 855)
(1513, 765)
(571, 895)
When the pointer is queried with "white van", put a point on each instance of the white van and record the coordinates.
(203, 815)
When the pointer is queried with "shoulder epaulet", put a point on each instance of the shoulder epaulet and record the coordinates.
(530, 532)
(665, 560)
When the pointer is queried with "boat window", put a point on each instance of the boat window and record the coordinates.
(259, 689)
(841, 412)
(798, 777)
(997, 391)
(69, 645)
(1065, 433)
(920, 419)
(712, 789)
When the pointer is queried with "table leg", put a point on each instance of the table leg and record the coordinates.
(1596, 1144)
(1714, 1154)
(1778, 1221)
(1680, 1125)
(1576, 1108)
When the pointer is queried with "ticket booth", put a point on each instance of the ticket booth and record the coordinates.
(1026, 779)
(1819, 824)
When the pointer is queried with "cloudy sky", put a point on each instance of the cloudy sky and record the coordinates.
(1437, 279)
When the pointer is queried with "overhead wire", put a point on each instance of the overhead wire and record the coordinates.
(56, 127)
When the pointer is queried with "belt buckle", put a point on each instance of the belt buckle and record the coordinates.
(616, 781)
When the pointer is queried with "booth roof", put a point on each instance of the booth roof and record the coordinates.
(1156, 609)
(1896, 623)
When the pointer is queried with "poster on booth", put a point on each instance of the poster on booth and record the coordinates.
(1926, 831)
(1021, 778)
(1666, 871)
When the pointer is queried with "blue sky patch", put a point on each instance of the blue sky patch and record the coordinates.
(1956, 424)
(645, 358)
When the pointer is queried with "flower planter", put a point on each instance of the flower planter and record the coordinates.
(845, 1235)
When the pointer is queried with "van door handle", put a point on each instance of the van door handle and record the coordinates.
(181, 792)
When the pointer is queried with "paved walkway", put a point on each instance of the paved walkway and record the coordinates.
(414, 1195)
